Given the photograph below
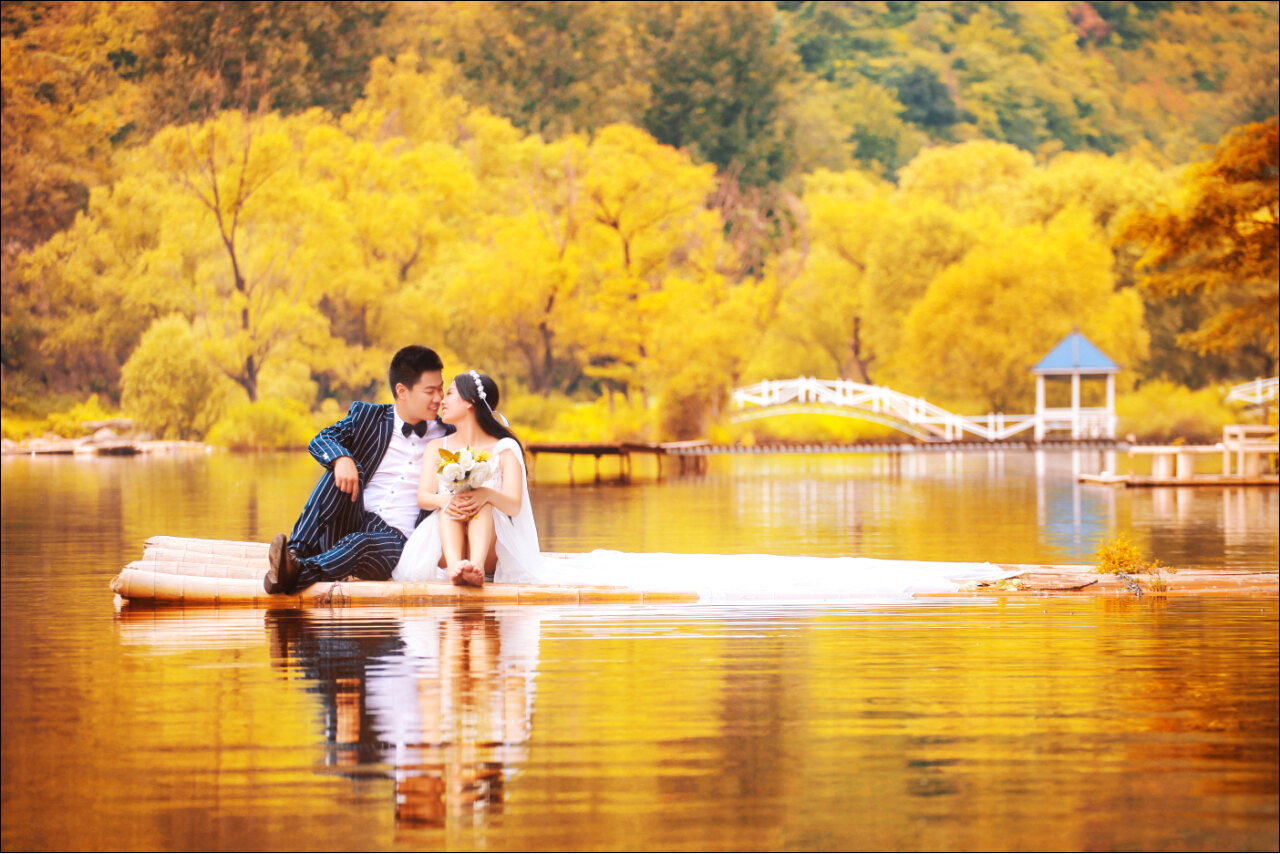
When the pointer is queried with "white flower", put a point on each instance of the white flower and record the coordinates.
(466, 459)
(451, 473)
(480, 474)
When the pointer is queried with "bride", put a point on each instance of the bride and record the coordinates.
(485, 531)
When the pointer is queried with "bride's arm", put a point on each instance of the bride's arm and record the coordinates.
(508, 500)
(428, 499)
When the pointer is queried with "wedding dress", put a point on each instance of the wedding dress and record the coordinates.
(519, 556)
(768, 578)
(714, 577)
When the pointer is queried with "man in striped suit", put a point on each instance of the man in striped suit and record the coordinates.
(365, 506)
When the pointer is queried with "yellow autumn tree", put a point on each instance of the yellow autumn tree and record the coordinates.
(986, 320)
(218, 222)
(972, 173)
(1223, 240)
(408, 193)
(556, 286)
(823, 314)
(254, 245)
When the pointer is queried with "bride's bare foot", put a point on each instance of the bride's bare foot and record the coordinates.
(467, 573)
(454, 571)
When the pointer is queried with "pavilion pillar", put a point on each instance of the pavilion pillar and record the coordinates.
(1039, 408)
(1111, 406)
(1075, 405)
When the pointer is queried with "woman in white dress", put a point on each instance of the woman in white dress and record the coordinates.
(484, 531)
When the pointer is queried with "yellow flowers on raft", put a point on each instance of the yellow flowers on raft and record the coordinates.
(465, 470)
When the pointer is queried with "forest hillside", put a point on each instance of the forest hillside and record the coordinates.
(222, 218)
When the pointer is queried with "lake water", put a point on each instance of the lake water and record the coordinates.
(1101, 723)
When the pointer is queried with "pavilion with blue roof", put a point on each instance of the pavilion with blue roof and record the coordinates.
(1076, 356)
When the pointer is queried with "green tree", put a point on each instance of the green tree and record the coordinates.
(168, 386)
(550, 67)
(258, 55)
(719, 76)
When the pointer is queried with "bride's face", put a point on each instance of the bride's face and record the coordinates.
(454, 408)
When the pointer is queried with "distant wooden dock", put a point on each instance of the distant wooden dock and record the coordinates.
(691, 457)
(1248, 445)
(103, 443)
(622, 450)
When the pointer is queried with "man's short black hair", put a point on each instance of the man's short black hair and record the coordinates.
(410, 363)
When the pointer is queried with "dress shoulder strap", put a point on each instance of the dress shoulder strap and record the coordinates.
(509, 445)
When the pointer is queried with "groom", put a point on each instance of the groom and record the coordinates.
(365, 506)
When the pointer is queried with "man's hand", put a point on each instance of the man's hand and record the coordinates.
(346, 476)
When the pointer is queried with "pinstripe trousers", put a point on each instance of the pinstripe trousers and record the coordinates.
(336, 537)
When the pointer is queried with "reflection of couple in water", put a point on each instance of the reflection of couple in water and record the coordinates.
(445, 698)
(379, 512)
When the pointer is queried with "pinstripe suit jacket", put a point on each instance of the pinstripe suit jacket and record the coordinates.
(364, 436)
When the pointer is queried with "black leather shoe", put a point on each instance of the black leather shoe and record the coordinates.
(283, 574)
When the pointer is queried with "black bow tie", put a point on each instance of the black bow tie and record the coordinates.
(420, 428)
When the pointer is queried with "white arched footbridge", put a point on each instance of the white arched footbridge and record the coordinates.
(931, 423)
(912, 415)
(1257, 393)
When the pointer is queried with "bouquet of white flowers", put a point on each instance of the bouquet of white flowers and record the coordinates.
(465, 470)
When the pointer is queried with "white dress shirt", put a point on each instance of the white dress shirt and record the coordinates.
(392, 492)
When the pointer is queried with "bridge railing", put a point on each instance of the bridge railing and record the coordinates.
(886, 405)
(1257, 392)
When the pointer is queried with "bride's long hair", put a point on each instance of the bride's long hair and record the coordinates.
(485, 409)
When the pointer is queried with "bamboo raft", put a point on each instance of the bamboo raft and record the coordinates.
(194, 572)
(227, 572)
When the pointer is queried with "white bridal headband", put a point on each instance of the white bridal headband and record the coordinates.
(480, 391)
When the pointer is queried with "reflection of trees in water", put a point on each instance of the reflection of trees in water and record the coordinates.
(443, 695)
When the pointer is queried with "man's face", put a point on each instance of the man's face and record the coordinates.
(422, 402)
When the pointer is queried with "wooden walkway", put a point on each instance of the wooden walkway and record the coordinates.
(1250, 445)
(102, 448)
(622, 450)
(690, 457)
